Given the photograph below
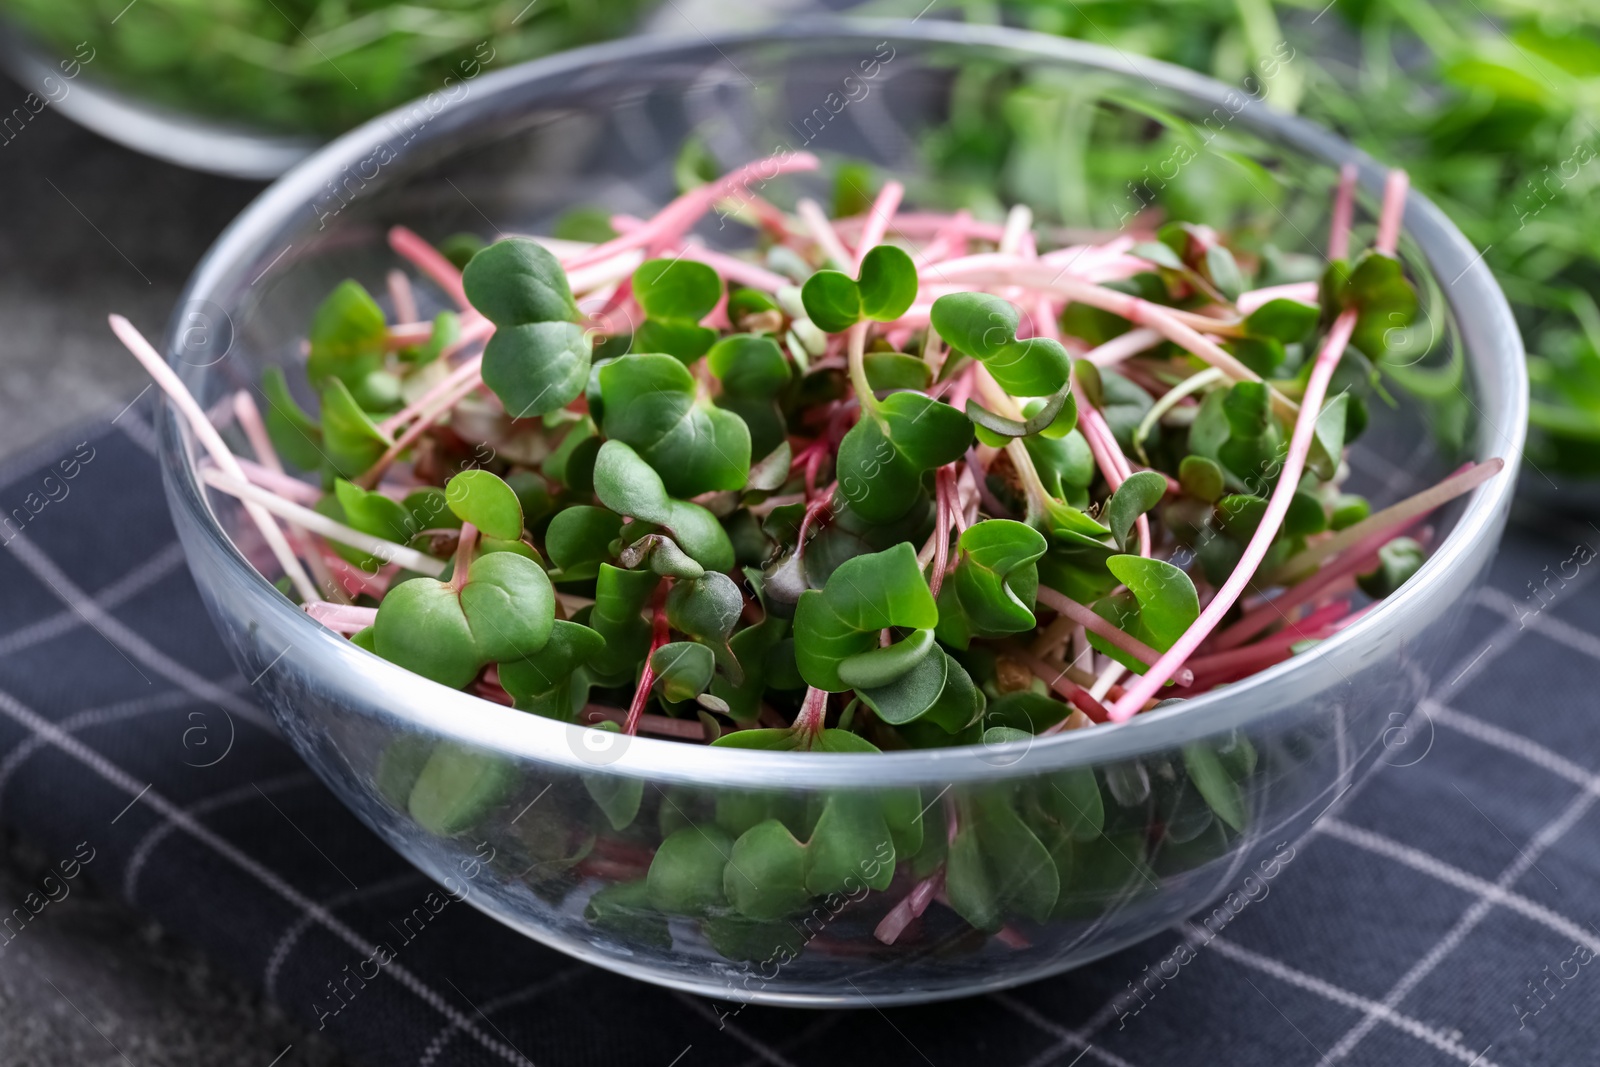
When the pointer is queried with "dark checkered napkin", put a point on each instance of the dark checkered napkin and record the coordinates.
(1444, 914)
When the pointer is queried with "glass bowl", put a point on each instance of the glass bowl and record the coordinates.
(551, 827)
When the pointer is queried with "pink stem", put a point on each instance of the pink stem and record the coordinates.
(1394, 208)
(286, 486)
(429, 261)
(1357, 558)
(878, 220)
(823, 233)
(911, 906)
(1148, 684)
(400, 294)
(813, 712)
(342, 618)
(212, 442)
(941, 529)
(737, 270)
(1343, 211)
(647, 677)
(465, 380)
(1266, 649)
(464, 549)
(1299, 292)
(354, 580)
(1085, 617)
(916, 225)
(442, 387)
(1123, 346)
(405, 334)
(676, 218)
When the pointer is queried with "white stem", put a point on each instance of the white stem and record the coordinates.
(387, 551)
(1169, 400)
(212, 442)
(822, 232)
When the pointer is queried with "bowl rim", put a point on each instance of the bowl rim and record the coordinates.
(1487, 330)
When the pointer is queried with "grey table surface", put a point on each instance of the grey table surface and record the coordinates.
(86, 228)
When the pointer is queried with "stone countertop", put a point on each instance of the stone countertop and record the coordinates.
(88, 228)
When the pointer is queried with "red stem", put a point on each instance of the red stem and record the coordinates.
(647, 678)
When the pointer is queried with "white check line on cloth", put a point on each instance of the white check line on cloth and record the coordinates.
(1548, 625)
(126, 640)
(102, 766)
(136, 581)
(1328, 991)
(297, 929)
(1546, 837)
(566, 974)
(1066, 1037)
(1419, 860)
(707, 1012)
(157, 833)
(123, 709)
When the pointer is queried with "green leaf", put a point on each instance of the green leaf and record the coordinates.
(686, 873)
(937, 689)
(619, 599)
(1201, 478)
(1397, 562)
(683, 340)
(883, 290)
(708, 608)
(536, 367)
(1327, 443)
(1376, 284)
(997, 577)
(851, 838)
(1286, 321)
(750, 365)
(509, 604)
(895, 370)
(1138, 493)
(529, 680)
(1168, 604)
(1065, 464)
(446, 332)
(458, 786)
(650, 405)
(1214, 785)
(578, 540)
(765, 876)
(681, 289)
(768, 474)
(374, 513)
(863, 596)
(517, 281)
(997, 865)
(880, 465)
(985, 328)
(504, 611)
(683, 669)
(295, 435)
(348, 336)
(352, 443)
(880, 666)
(483, 499)
(629, 486)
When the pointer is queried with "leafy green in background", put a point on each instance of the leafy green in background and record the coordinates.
(313, 66)
(1492, 106)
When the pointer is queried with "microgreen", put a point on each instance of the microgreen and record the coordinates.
(882, 290)
(805, 543)
(675, 294)
(538, 359)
